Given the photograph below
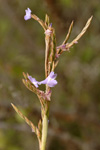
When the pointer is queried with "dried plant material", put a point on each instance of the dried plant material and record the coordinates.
(81, 34)
(29, 85)
(53, 50)
(47, 20)
(25, 76)
(40, 124)
(25, 118)
(39, 20)
(40, 128)
(48, 34)
(68, 34)
(67, 46)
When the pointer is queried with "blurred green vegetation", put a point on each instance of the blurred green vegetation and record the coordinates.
(75, 109)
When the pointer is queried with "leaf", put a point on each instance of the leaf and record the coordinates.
(25, 118)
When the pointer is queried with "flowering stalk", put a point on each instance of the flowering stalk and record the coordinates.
(52, 54)
(48, 33)
(44, 132)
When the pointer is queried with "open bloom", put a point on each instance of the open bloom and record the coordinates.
(33, 80)
(28, 14)
(50, 80)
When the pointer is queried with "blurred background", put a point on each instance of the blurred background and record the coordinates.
(75, 106)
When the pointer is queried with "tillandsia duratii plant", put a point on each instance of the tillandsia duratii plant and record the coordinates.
(52, 55)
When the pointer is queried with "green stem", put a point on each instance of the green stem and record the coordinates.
(44, 132)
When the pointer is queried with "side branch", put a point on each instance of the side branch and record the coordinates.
(68, 34)
(81, 34)
(40, 21)
(66, 46)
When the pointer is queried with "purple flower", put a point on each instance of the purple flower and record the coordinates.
(50, 80)
(33, 80)
(28, 14)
